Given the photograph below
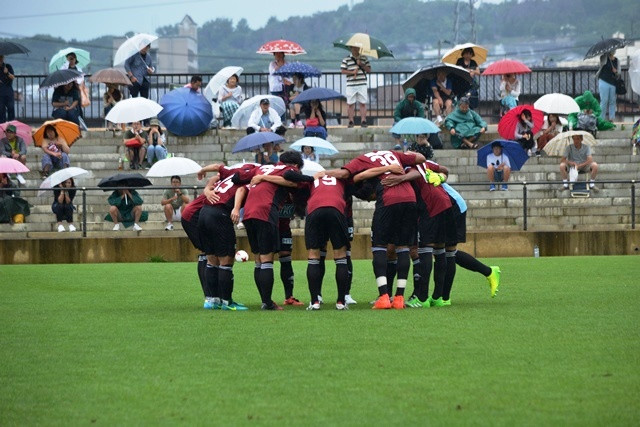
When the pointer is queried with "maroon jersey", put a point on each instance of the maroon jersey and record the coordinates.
(194, 206)
(436, 199)
(265, 200)
(387, 196)
(327, 192)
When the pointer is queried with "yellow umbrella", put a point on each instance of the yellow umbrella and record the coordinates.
(452, 56)
(557, 145)
(67, 130)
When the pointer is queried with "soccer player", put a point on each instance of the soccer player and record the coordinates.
(284, 255)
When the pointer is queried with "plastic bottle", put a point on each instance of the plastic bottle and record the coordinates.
(536, 251)
(125, 163)
(634, 150)
(120, 164)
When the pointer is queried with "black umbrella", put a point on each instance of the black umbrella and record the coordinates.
(421, 80)
(604, 46)
(59, 78)
(125, 180)
(9, 48)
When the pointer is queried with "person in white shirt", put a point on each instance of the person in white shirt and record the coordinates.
(498, 167)
(265, 119)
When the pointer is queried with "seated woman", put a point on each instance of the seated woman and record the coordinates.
(316, 124)
(156, 142)
(56, 151)
(498, 167)
(66, 103)
(509, 91)
(296, 89)
(126, 207)
(13, 208)
(134, 141)
(110, 98)
(309, 153)
(62, 205)
(230, 97)
(465, 125)
(550, 129)
(523, 133)
(471, 65)
(443, 95)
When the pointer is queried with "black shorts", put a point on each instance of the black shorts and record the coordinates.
(350, 227)
(326, 224)
(461, 224)
(191, 228)
(394, 224)
(263, 236)
(438, 229)
(216, 231)
(286, 237)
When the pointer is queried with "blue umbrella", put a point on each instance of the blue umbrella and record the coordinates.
(414, 126)
(292, 68)
(321, 146)
(255, 140)
(516, 154)
(185, 112)
(319, 93)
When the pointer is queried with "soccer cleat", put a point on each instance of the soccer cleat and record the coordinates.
(72, 227)
(341, 306)
(436, 302)
(382, 303)
(446, 302)
(272, 306)
(320, 299)
(293, 301)
(349, 300)
(234, 306)
(116, 227)
(208, 305)
(494, 280)
(136, 227)
(60, 228)
(492, 187)
(398, 302)
(313, 306)
(414, 302)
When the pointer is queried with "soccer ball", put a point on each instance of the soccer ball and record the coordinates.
(242, 256)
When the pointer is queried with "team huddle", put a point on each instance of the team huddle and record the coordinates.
(418, 219)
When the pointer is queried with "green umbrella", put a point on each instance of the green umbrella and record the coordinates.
(84, 58)
(368, 45)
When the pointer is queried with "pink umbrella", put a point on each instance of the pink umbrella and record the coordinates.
(23, 131)
(506, 66)
(8, 165)
(285, 46)
(508, 123)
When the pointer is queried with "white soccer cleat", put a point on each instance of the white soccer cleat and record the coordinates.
(313, 306)
(348, 300)
(340, 306)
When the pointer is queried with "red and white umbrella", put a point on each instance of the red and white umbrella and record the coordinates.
(285, 46)
(506, 66)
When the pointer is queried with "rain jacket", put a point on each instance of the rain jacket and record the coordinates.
(466, 125)
(125, 207)
(587, 101)
(408, 109)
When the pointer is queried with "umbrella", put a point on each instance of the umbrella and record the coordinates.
(9, 48)
(67, 130)
(368, 45)
(132, 46)
(59, 78)
(507, 124)
(311, 168)
(414, 126)
(319, 93)
(59, 177)
(292, 68)
(556, 103)
(320, 146)
(634, 72)
(58, 60)
(516, 154)
(240, 118)
(506, 66)
(421, 80)
(133, 110)
(605, 46)
(185, 112)
(479, 53)
(133, 180)
(111, 75)
(173, 166)
(285, 46)
(23, 131)
(219, 80)
(8, 165)
(255, 140)
(557, 145)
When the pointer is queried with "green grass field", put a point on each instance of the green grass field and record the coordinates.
(130, 344)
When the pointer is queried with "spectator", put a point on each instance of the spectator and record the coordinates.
(139, 67)
(156, 141)
(472, 66)
(550, 129)
(442, 92)
(267, 156)
(356, 67)
(62, 205)
(265, 119)
(309, 153)
(498, 167)
(278, 84)
(230, 97)
(589, 105)
(316, 123)
(56, 151)
(296, 89)
(13, 146)
(110, 98)
(126, 207)
(72, 64)
(195, 83)
(134, 142)
(465, 126)
(523, 133)
(66, 103)
(578, 155)
(587, 121)
(607, 76)
(509, 91)
(422, 146)
(172, 201)
(7, 111)
(408, 107)
(13, 208)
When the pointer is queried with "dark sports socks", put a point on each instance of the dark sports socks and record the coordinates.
(225, 282)
(450, 274)
(469, 262)
(350, 268)
(380, 268)
(314, 278)
(323, 257)
(392, 268)
(202, 268)
(265, 279)
(417, 274)
(426, 265)
(211, 275)
(256, 275)
(286, 275)
(403, 265)
(439, 271)
(342, 278)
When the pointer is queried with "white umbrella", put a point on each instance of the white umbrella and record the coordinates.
(634, 72)
(132, 46)
(133, 110)
(556, 103)
(320, 146)
(240, 118)
(217, 81)
(311, 168)
(557, 145)
(173, 166)
(59, 177)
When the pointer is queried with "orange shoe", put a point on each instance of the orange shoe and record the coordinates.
(398, 302)
(382, 303)
(293, 301)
